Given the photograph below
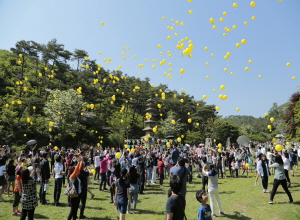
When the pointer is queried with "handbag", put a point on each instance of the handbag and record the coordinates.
(70, 190)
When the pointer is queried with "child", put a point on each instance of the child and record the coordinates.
(245, 169)
(204, 212)
(17, 192)
(236, 167)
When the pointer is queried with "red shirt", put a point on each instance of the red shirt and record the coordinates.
(160, 166)
(19, 179)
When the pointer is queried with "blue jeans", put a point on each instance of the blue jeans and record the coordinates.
(42, 193)
(149, 174)
(122, 206)
(57, 189)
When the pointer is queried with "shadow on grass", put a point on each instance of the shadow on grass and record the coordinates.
(98, 218)
(227, 192)
(237, 215)
(39, 216)
(150, 212)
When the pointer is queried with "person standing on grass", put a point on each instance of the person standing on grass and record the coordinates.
(73, 179)
(45, 173)
(263, 170)
(175, 207)
(133, 178)
(180, 170)
(59, 173)
(103, 170)
(213, 190)
(204, 212)
(160, 169)
(279, 179)
(17, 192)
(154, 169)
(11, 169)
(122, 194)
(97, 166)
(3, 176)
(29, 198)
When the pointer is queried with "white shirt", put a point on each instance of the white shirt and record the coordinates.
(213, 182)
(134, 161)
(286, 163)
(166, 161)
(97, 161)
(269, 156)
(263, 150)
(2, 170)
(298, 152)
(57, 169)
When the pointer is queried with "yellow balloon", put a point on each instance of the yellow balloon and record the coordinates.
(173, 122)
(288, 64)
(278, 147)
(132, 150)
(93, 171)
(250, 61)
(294, 77)
(190, 11)
(204, 97)
(247, 68)
(266, 114)
(245, 23)
(182, 100)
(218, 108)
(237, 109)
(269, 127)
(253, 18)
(243, 41)
(235, 5)
(219, 150)
(234, 27)
(224, 13)
(272, 119)
(247, 165)
(179, 139)
(253, 4)
(181, 70)
(189, 120)
(221, 19)
(259, 76)
(219, 145)
(214, 27)
(212, 21)
(222, 87)
(205, 48)
(288, 143)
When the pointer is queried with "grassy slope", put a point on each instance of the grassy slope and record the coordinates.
(237, 196)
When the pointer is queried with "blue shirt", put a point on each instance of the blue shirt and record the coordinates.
(204, 213)
(174, 156)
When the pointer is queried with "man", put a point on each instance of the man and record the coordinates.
(180, 170)
(59, 173)
(45, 173)
(97, 166)
(175, 155)
(263, 170)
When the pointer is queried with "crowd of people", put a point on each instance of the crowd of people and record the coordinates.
(128, 173)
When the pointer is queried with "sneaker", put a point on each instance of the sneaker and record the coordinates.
(19, 212)
(214, 215)
(267, 191)
(222, 213)
(264, 190)
(271, 202)
(1, 199)
(15, 214)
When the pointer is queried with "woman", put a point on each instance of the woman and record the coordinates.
(286, 166)
(263, 171)
(176, 202)
(75, 200)
(3, 176)
(29, 198)
(133, 178)
(279, 179)
(122, 194)
(213, 189)
(10, 169)
(149, 165)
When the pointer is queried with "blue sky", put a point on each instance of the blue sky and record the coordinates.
(272, 41)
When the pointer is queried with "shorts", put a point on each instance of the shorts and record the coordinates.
(11, 179)
(122, 206)
(3, 181)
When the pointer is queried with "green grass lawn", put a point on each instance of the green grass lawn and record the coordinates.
(239, 197)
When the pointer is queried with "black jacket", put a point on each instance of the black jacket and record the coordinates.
(45, 169)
